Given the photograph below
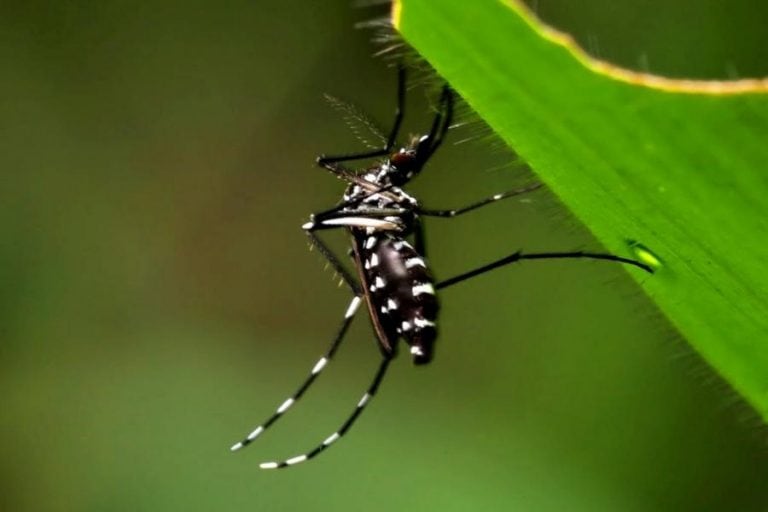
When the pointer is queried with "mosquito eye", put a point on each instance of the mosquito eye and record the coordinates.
(403, 161)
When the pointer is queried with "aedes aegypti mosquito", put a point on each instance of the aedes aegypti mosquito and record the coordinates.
(393, 277)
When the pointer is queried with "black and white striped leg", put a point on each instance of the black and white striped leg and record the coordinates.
(319, 366)
(329, 161)
(519, 256)
(484, 202)
(364, 401)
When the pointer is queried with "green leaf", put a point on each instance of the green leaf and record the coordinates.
(679, 167)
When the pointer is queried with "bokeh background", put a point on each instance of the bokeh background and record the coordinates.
(157, 298)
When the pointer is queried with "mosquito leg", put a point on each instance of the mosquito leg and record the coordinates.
(370, 392)
(399, 110)
(478, 204)
(333, 260)
(442, 120)
(518, 256)
(327, 161)
(321, 363)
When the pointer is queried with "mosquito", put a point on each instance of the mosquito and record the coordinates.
(393, 278)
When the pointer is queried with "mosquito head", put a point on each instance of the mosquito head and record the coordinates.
(407, 162)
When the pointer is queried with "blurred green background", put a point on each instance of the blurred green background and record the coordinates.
(158, 299)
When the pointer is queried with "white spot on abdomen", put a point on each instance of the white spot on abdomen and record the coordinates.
(422, 322)
(415, 262)
(423, 288)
